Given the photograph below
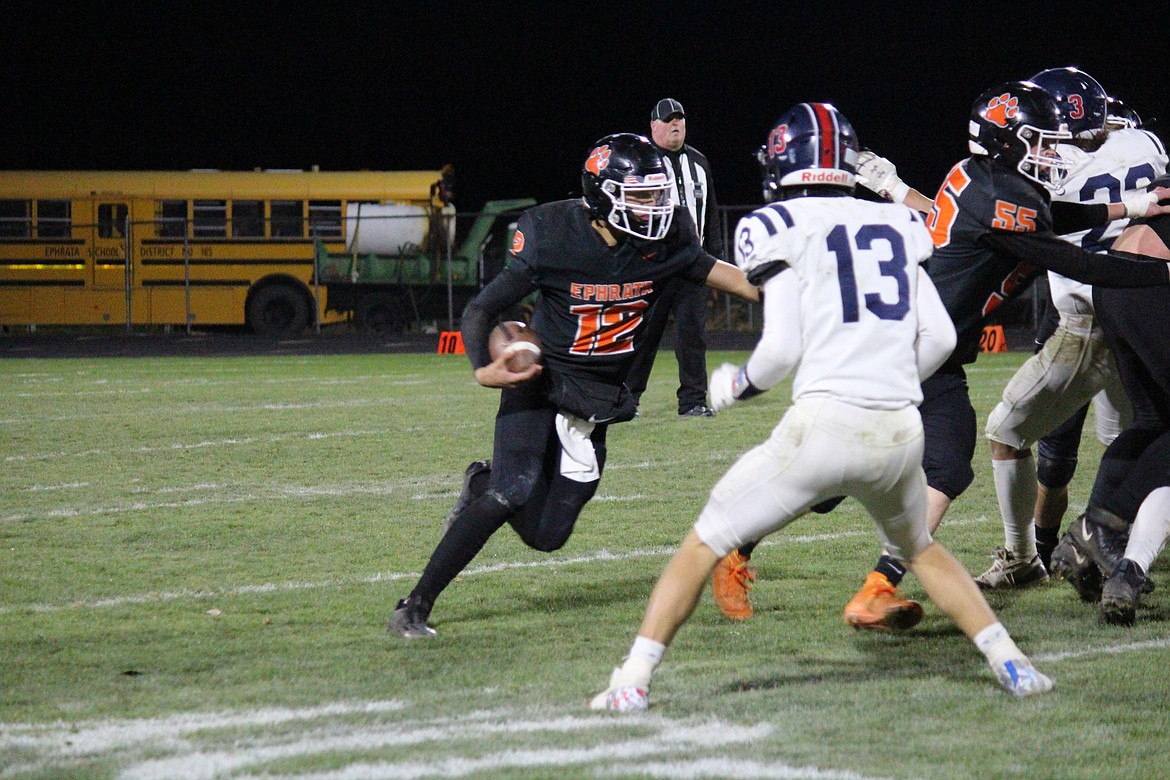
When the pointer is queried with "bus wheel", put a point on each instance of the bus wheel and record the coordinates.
(382, 313)
(278, 310)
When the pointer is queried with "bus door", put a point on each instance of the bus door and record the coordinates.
(109, 245)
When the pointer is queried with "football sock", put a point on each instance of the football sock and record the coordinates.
(746, 550)
(1015, 490)
(1046, 539)
(638, 668)
(1150, 528)
(475, 525)
(892, 568)
(995, 643)
(648, 649)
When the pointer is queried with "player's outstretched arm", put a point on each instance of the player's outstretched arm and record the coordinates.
(730, 279)
(879, 175)
(777, 353)
(1143, 205)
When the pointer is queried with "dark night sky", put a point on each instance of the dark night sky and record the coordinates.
(513, 93)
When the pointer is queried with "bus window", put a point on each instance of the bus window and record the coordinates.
(247, 219)
(209, 218)
(287, 219)
(170, 218)
(15, 218)
(54, 219)
(111, 220)
(325, 218)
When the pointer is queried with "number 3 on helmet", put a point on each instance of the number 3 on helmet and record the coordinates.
(1081, 99)
(625, 183)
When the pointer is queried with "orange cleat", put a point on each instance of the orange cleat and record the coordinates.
(730, 583)
(877, 606)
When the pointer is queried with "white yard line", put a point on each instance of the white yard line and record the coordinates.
(188, 746)
(195, 445)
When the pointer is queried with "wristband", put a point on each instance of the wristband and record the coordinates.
(1137, 205)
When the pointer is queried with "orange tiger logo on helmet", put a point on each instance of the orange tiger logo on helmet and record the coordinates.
(517, 243)
(598, 160)
(1002, 108)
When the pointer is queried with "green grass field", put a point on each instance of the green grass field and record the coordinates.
(198, 556)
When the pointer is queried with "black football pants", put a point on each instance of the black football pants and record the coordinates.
(526, 490)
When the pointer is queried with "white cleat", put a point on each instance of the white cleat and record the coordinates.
(627, 698)
(621, 695)
(1019, 678)
(1010, 571)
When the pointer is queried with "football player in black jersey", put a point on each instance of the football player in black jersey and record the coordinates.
(1133, 481)
(995, 230)
(598, 263)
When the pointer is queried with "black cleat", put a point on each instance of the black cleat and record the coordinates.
(465, 496)
(698, 410)
(410, 620)
(1103, 544)
(1072, 564)
(1122, 592)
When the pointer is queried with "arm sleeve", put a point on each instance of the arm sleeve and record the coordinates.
(1048, 251)
(1073, 217)
(483, 311)
(778, 352)
(936, 333)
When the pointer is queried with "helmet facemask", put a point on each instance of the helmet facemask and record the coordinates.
(642, 207)
(1041, 162)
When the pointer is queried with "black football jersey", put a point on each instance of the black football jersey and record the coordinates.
(594, 297)
(976, 198)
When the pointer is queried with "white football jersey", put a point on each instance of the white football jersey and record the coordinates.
(1128, 161)
(858, 266)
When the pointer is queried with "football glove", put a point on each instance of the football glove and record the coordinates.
(880, 175)
(729, 384)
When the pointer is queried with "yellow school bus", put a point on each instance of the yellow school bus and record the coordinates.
(187, 247)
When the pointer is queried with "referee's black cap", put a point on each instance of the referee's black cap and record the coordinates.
(666, 108)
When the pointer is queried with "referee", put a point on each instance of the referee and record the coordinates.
(694, 191)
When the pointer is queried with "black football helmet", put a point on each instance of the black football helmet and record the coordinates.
(1119, 115)
(625, 182)
(811, 145)
(1018, 124)
(1079, 97)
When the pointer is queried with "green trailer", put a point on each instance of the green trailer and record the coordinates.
(407, 274)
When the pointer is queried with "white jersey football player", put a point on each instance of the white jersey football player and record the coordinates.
(849, 308)
(1075, 364)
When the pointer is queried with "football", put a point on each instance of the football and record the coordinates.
(516, 340)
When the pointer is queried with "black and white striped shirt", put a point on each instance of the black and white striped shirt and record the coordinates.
(694, 190)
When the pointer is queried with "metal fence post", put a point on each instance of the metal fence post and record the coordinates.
(450, 279)
(129, 278)
(187, 314)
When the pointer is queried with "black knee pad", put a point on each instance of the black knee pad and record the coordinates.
(1055, 473)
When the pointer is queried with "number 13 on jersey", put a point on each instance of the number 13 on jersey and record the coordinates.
(883, 239)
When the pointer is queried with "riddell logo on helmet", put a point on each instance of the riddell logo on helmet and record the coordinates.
(598, 160)
(825, 177)
(1002, 108)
